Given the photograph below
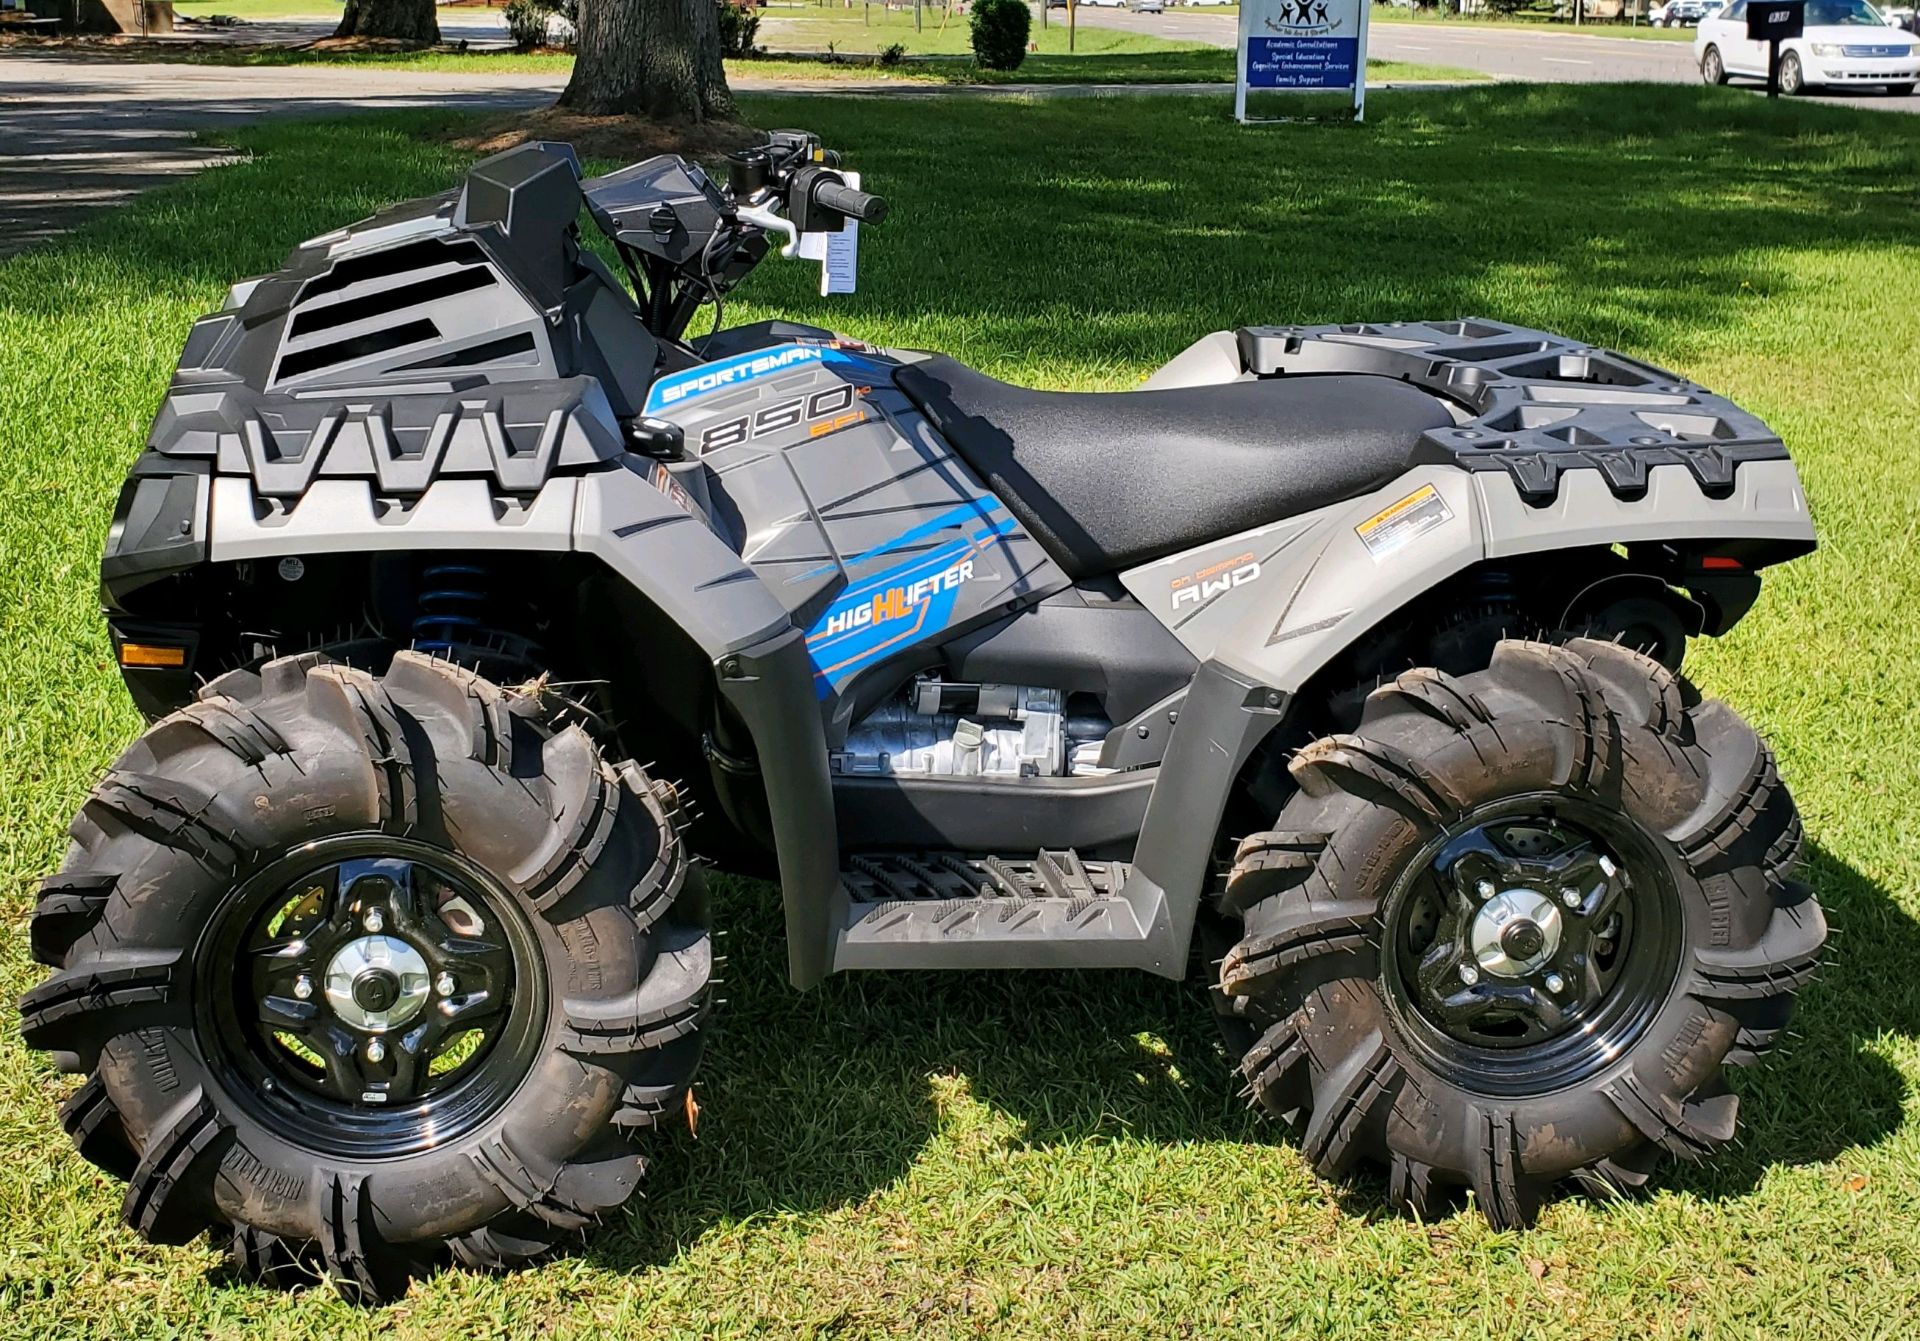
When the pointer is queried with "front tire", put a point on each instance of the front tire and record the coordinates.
(1793, 77)
(1507, 933)
(1713, 69)
(369, 972)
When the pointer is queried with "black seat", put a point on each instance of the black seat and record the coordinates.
(1107, 480)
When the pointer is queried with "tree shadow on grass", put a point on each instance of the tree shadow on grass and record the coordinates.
(815, 1102)
(1829, 1088)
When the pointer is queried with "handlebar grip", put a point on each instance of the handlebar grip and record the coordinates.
(854, 204)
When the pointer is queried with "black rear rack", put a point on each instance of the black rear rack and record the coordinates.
(1537, 404)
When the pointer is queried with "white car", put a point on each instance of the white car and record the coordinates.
(1683, 13)
(1846, 43)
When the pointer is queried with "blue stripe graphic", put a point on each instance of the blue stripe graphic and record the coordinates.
(843, 654)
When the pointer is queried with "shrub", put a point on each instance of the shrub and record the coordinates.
(527, 22)
(739, 25)
(1000, 30)
(893, 54)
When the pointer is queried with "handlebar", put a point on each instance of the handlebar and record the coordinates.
(843, 199)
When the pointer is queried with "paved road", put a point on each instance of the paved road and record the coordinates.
(1558, 57)
(83, 134)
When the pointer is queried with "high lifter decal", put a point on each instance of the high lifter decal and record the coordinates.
(907, 601)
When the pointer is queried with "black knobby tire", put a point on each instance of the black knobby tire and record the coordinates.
(599, 1033)
(1321, 906)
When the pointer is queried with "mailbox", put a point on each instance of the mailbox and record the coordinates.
(1775, 20)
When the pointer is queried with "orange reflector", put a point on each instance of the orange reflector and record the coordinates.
(1720, 561)
(147, 654)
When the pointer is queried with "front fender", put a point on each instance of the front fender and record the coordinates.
(672, 557)
(668, 554)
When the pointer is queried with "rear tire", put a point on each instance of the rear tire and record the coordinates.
(1400, 1035)
(510, 966)
(1712, 68)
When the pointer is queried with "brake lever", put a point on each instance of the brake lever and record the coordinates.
(766, 219)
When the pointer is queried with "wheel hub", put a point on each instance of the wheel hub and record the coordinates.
(388, 992)
(377, 983)
(1515, 932)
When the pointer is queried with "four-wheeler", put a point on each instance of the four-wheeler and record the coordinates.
(1343, 661)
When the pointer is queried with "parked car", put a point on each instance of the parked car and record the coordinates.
(1683, 13)
(1847, 43)
(1148, 6)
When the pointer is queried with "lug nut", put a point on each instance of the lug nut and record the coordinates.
(1469, 974)
(303, 987)
(444, 984)
(1570, 896)
(1555, 983)
(373, 921)
(1484, 889)
(376, 1050)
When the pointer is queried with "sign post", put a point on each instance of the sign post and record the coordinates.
(1773, 22)
(1308, 46)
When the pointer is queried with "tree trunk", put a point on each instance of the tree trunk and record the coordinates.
(654, 58)
(408, 20)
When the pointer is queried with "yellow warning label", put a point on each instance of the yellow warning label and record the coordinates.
(1398, 523)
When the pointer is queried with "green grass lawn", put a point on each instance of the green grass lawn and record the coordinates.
(257, 9)
(283, 9)
(1098, 55)
(1538, 24)
(1177, 64)
(1063, 1155)
(798, 48)
(1401, 14)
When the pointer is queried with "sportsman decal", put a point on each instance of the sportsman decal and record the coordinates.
(738, 371)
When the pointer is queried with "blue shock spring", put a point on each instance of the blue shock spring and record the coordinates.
(453, 599)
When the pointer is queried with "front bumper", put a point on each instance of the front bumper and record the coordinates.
(1841, 70)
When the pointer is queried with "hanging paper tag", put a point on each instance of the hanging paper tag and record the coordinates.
(838, 253)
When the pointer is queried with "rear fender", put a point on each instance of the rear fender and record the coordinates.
(1265, 610)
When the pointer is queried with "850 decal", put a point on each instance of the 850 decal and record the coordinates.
(823, 411)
